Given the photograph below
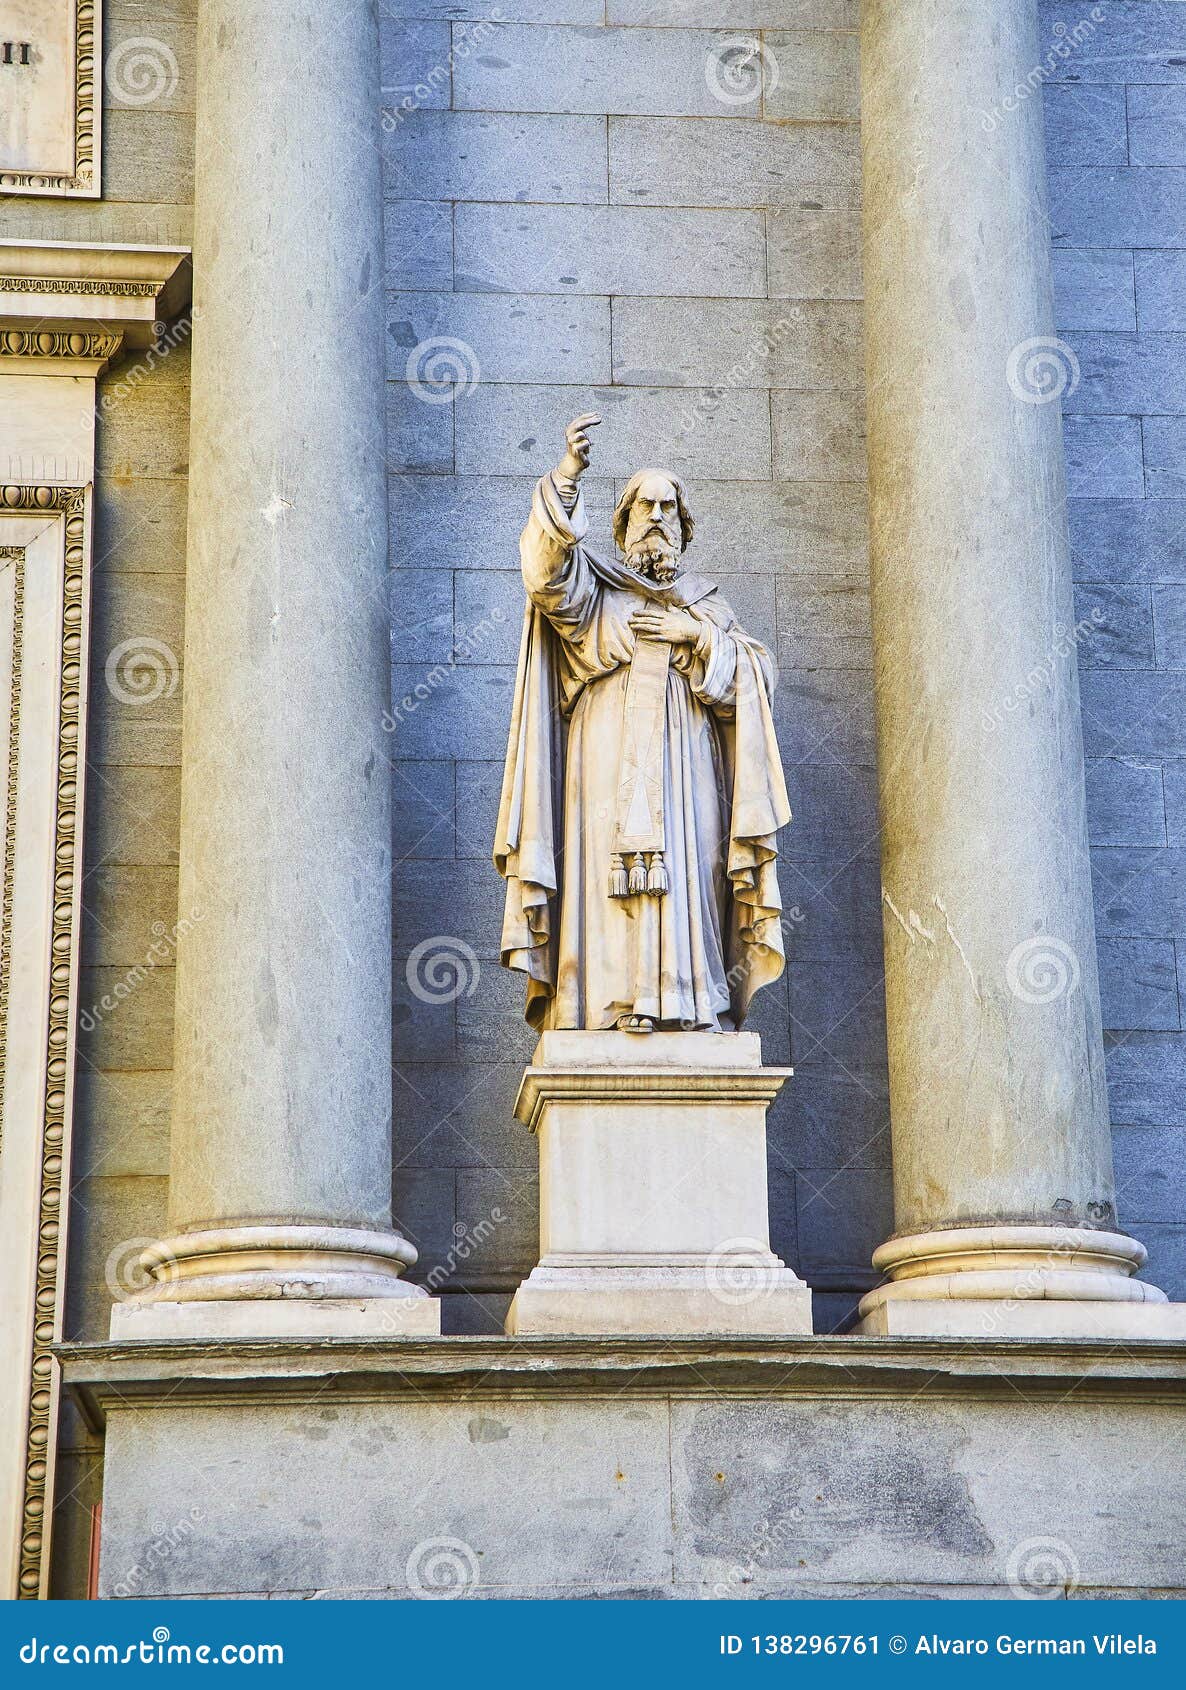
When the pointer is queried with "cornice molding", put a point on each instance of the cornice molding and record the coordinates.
(74, 287)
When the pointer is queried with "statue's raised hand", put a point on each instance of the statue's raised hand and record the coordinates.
(575, 461)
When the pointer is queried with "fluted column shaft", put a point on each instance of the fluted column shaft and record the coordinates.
(998, 1102)
(281, 1137)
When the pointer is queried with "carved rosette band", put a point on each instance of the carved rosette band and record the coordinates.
(71, 501)
(82, 178)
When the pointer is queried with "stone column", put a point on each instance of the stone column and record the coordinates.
(1004, 1199)
(280, 1179)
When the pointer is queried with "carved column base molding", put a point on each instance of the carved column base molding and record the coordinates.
(278, 1280)
(653, 1206)
(1019, 1281)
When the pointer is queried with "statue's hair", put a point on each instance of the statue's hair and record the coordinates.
(622, 509)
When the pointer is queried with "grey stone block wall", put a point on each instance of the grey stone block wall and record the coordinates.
(585, 208)
(1116, 152)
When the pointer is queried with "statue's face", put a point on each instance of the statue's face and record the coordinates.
(653, 529)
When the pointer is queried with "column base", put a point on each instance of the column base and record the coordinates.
(653, 1209)
(754, 1295)
(1017, 1281)
(278, 1281)
(1126, 1322)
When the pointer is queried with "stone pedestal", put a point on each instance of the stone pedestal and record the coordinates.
(280, 1171)
(653, 1205)
(1003, 1189)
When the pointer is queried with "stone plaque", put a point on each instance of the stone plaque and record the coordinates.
(49, 105)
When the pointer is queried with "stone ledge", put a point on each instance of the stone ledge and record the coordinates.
(192, 1371)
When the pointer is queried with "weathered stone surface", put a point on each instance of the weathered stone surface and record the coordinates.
(1161, 290)
(1114, 626)
(1138, 985)
(1103, 457)
(1094, 289)
(610, 250)
(676, 161)
(414, 62)
(1128, 373)
(1147, 1081)
(818, 436)
(1174, 783)
(1147, 1178)
(1165, 456)
(654, 72)
(1127, 540)
(511, 338)
(1125, 805)
(423, 810)
(452, 155)
(815, 254)
(1085, 124)
(706, 434)
(1157, 125)
(1136, 713)
(419, 435)
(818, 76)
(417, 243)
(1131, 42)
(733, 343)
(1124, 207)
(421, 615)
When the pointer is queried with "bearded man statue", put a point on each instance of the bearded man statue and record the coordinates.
(643, 788)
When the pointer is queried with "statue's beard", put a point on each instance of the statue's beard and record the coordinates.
(654, 555)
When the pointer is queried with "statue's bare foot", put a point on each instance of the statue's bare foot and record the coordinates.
(635, 1024)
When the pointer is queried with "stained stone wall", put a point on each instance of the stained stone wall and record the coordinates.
(608, 216)
(1116, 140)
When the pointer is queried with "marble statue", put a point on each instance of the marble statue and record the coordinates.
(643, 788)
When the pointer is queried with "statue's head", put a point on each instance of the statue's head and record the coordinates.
(652, 524)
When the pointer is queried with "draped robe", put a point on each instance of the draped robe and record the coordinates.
(691, 958)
